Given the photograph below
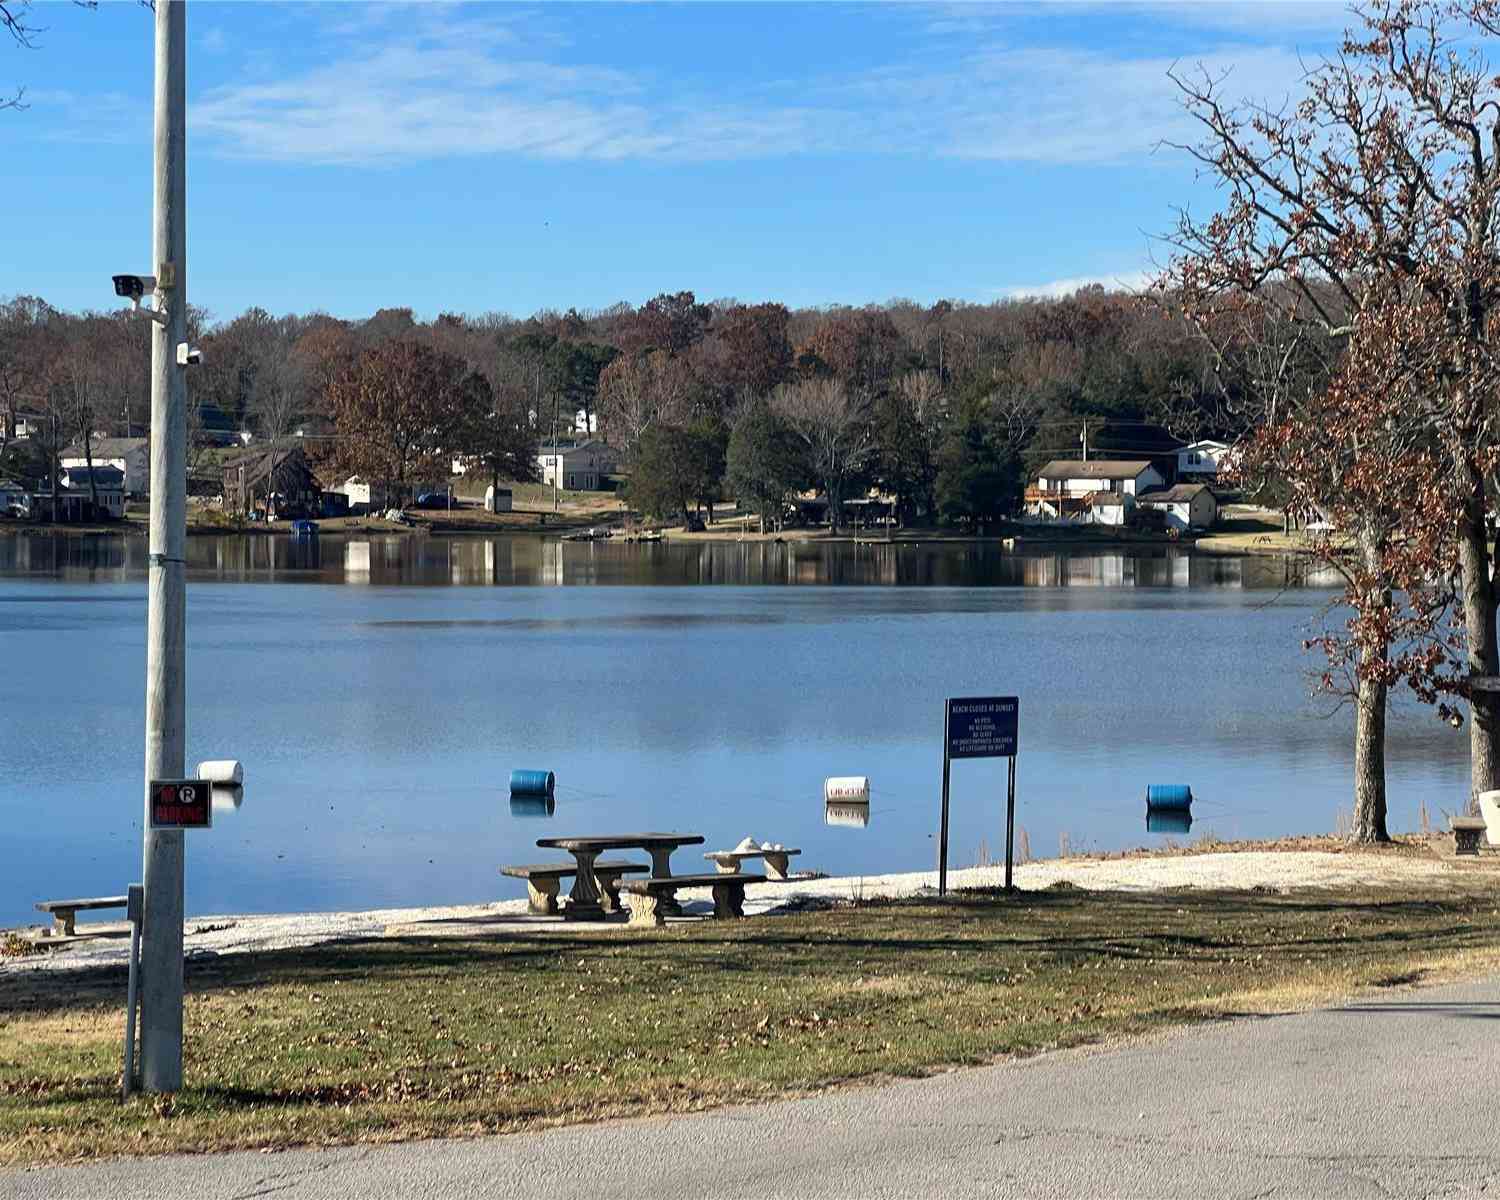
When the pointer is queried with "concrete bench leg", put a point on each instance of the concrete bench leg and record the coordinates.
(729, 900)
(541, 896)
(727, 866)
(63, 921)
(661, 868)
(583, 900)
(645, 911)
(777, 865)
(609, 891)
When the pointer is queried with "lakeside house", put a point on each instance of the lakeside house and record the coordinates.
(1185, 506)
(76, 497)
(1098, 491)
(131, 456)
(363, 496)
(275, 483)
(1201, 461)
(15, 500)
(578, 466)
(1125, 477)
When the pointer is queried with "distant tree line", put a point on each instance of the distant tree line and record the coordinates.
(944, 407)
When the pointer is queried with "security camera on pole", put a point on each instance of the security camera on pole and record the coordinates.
(166, 660)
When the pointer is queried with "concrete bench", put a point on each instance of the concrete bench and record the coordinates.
(729, 861)
(543, 881)
(650, 898)
(63, 912)
(1466, 833)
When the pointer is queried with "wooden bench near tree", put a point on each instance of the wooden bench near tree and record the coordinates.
(64, 912)
(543, 880)
(652, 899)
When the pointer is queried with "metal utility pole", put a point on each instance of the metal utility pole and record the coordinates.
(161, 953)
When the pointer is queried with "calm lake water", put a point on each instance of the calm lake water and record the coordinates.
(380, 705)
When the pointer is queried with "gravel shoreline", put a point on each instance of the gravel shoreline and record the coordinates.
(1281, 870)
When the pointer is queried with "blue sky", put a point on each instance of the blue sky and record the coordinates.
(470, 158)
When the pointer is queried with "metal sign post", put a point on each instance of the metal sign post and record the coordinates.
(980, 727)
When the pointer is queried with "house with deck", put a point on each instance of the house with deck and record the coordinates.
(1097, 491)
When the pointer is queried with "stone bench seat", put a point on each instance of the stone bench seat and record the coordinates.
(544, 879)
(63, 912)
(1466, 834)
(778, 862)
(649, 897)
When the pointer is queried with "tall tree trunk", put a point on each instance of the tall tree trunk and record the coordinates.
(1479, 627)
(1369, 763)
(1369, 716)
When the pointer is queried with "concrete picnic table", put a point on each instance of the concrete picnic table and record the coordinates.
(583, 901)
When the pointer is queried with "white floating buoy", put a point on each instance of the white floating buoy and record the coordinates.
(222, 770)
(846, 788)
(226, 779)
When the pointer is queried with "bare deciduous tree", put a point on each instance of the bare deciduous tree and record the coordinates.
(834, 424)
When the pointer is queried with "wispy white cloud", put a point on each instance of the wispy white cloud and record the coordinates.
(429, 82)
(1123, 281)
(1322, 20)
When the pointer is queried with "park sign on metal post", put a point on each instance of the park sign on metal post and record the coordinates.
(980, 727)
(181, 804)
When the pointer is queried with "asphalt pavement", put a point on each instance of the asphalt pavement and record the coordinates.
(1394, 1096)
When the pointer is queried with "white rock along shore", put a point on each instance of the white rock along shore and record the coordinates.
(1279, 869)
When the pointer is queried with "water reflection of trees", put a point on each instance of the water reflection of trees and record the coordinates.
(402, 560)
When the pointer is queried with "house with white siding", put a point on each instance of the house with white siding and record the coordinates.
(577, 466)
(1201, 461)
(129, 456)
(1128, 477)
(1185, 506)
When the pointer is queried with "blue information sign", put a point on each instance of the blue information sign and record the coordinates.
(983, 726)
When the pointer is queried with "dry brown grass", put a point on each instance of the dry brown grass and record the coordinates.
(410, 1037)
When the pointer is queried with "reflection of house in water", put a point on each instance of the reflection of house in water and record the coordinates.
(551, 571)
(1163, 569)
(357, 562)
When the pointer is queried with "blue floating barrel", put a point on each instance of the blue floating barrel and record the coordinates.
(529, 807)
(1169, 796)
(532, 783)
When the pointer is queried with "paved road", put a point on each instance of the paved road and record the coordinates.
(1394, 1097)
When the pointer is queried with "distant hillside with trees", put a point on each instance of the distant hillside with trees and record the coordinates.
(946, 407)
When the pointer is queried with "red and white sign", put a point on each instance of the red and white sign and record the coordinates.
(181, 804)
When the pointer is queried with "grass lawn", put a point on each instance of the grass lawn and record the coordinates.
(408, 1037)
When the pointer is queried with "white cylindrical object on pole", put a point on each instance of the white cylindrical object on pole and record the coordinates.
(847, 788)
(222, 770)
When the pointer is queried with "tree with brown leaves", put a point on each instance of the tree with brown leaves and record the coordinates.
(1372, 201)
(399, 409)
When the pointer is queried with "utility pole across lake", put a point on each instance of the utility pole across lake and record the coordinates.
(166, 658)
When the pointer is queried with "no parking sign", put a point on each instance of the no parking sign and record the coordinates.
(181, 804)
